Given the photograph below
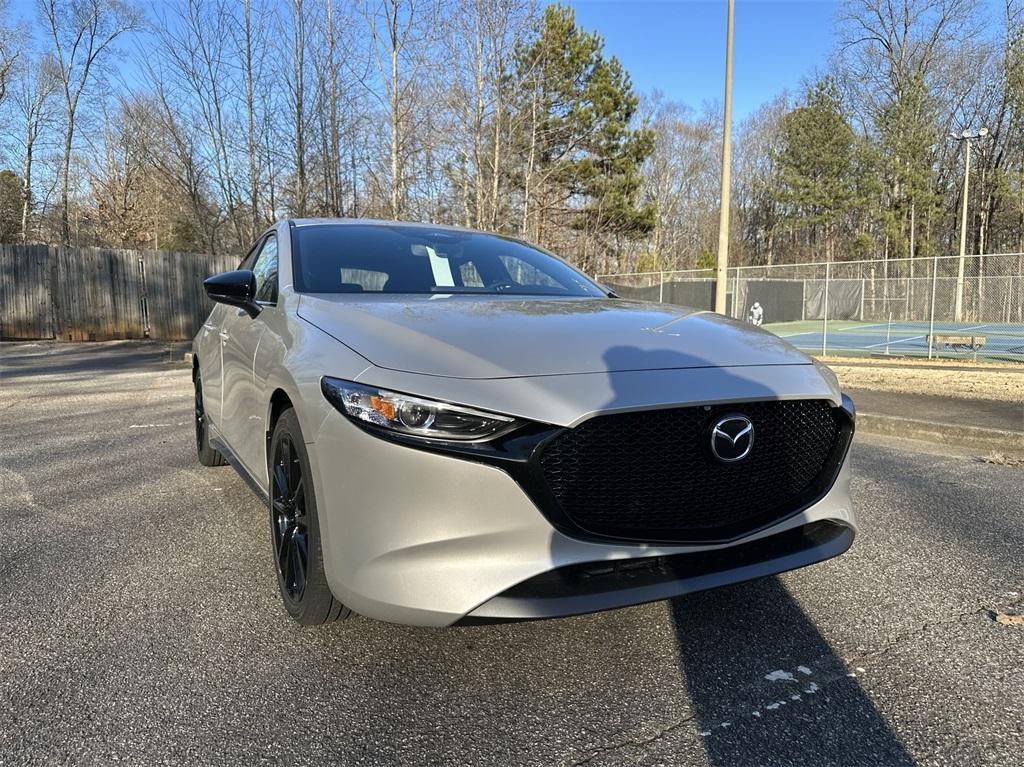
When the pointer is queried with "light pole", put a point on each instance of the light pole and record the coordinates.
(722, 269)
(967, 136)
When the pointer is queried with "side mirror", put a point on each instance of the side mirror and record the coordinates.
(236, 288)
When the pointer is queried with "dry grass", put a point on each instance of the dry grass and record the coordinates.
(1004, 383)
(1001, 459)
(912, 362)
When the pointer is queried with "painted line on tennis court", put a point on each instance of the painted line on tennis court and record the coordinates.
(925, 335)
(849, 329)
(859, 328)
(898, 341)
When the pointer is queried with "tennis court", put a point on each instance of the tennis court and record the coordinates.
(992, 341)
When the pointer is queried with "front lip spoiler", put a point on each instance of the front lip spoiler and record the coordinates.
(544, 597)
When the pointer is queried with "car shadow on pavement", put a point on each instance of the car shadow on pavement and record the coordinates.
(86, 360)
(766, 687)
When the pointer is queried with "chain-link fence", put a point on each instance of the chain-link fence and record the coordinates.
(971, 307)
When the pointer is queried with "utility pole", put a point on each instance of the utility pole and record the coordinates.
(967, 136)
(722, 269)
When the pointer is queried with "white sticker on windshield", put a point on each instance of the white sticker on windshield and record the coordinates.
(441, 268)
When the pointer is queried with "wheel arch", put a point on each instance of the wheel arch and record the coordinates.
(279, 402)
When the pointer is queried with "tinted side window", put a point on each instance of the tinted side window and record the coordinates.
(250, 256)
(265, 269)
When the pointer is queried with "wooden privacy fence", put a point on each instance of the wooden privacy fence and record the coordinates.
(95, 294)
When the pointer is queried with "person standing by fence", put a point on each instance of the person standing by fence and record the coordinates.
(756, 314)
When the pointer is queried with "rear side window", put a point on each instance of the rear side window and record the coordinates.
(265, 270)
(395, 258)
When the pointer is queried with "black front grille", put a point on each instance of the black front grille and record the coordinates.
(651, 475)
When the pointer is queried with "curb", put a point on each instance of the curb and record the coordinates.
(976, 437)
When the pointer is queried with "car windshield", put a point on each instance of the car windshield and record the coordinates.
(389, 258)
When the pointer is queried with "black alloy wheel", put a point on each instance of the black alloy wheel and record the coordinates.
(207, 455)
(290, 521)
(295, 528)
(200, 417)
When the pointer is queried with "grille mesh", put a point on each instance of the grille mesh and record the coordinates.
(651, 475)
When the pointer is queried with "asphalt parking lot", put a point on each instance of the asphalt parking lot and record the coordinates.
(139, 620)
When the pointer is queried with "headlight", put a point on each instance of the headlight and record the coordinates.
(413, 415)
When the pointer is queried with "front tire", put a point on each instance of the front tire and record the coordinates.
(207, 455)
(295, 529)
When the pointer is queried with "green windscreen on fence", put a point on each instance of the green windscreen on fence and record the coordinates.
(845, 299)
(781, 300)
(695, 294)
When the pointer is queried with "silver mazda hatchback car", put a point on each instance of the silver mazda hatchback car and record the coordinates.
(454, 426)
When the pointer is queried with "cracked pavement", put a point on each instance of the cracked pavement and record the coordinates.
(139, 620)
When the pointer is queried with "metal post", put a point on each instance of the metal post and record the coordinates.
(931, 321)
(661, 287)
(981, 278)
(888, 334)
(824, 328)
(913, 228)
(143, 297)
(721, 271)
(736, 293)
(959, 306)
(966, 137)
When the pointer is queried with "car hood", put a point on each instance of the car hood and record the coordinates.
(463, 336)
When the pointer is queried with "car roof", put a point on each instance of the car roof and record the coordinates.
(303, 222)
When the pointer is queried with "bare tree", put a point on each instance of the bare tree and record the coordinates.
(482, 35)
(33, 102)
(174, 151)
(198, 79)
(8, 51)
(400, 53)
(679, 179)
(252, 49)
(337, 106)
(82, 33)
(296, 84)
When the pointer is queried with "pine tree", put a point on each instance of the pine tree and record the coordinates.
(815, 164)
(907, 134)
(10, 206)
(580, 154)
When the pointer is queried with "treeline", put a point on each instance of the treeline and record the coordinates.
(192, 124)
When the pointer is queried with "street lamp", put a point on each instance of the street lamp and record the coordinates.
(722, 268)
(967, 137)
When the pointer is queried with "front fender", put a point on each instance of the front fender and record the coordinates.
(295, 367)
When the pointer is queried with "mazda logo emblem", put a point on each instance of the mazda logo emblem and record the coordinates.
(732, 437)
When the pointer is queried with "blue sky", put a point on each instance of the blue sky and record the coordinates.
(678, 46)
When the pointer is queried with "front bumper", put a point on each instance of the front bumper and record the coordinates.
(422, 538)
